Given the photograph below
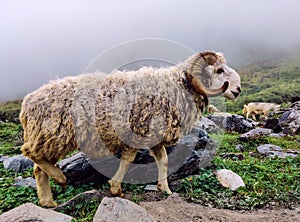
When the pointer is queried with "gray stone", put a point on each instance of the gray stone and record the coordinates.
(273, 150)
(275, 135)
(31, 212)
(240, 148)
(121, 210)
(208, 125)
(255, 133)
(273, 124)
(2, 157)
(266, 148)
(17, 163)
(70, 206)
(229, 179)
(151, 187)
(25, 182)
(192, 151)
(290, 121)
(232, 123)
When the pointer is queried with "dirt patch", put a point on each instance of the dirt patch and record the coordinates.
(174, 208)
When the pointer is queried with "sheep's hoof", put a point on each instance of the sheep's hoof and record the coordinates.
(115, 188)
(48, 204)
(164, 189)
(63, 185)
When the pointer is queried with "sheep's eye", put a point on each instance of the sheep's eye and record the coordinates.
(220, 70)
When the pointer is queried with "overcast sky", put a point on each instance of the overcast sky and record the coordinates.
(43, 40)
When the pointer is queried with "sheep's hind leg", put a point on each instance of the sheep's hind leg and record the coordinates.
(115, 183)
(52, 171)
(160, 155)
(43, 187)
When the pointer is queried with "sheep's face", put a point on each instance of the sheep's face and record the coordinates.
(219, 73)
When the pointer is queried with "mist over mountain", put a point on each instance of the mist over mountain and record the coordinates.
(45, 40)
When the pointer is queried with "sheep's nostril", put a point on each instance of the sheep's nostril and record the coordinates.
(236, 94)
(239, 89)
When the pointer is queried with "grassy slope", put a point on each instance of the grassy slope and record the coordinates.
(273, 80)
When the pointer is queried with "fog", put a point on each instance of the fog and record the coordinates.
(43, 40)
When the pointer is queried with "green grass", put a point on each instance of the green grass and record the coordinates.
(269, 181)
(10, 137)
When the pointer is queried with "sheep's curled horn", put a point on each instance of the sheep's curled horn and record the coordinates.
(194, 71)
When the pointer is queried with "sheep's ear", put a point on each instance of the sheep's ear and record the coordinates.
(245, 105)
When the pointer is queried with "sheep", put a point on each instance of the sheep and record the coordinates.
(212, 109)
(259, 108)
(122, 112)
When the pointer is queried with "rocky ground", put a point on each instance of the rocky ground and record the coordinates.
(176, 209)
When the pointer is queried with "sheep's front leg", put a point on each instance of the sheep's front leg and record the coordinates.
(115, 183)
(52, 171)
(160, 155)
(43, 187)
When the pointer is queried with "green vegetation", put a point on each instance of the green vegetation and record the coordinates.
(270, 182)
(9, 111)
(10, 138)
(275, 80)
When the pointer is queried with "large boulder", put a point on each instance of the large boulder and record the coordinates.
(290, 121)
(191, 152)
(118, 209)
(17, 163)
(232, 123)
(31, 212)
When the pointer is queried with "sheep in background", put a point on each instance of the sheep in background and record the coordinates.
(125, 111)
(259, 108)
(212, 109)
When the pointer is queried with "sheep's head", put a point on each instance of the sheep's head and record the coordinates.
(210, 76)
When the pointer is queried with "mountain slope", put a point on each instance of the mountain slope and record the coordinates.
(271, 80)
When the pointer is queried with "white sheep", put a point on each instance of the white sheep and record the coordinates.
(125, 111)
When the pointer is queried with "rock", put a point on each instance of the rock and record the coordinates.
(17, 163)
(70, 206)
(118, 209)
(296, 105)
(208, 125)
(192, 151)
(273, 150)
(230, 179)
(290, 121)
(255, 133)
(273, 125)
(151, 187)
(240, 148)
(31, 212)
(295, 99)
(232, 123)
(25, 182)
(275, 135)
(79, 170)
(239, 124)
(2, 157)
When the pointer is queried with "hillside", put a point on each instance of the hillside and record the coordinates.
(270, 80)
